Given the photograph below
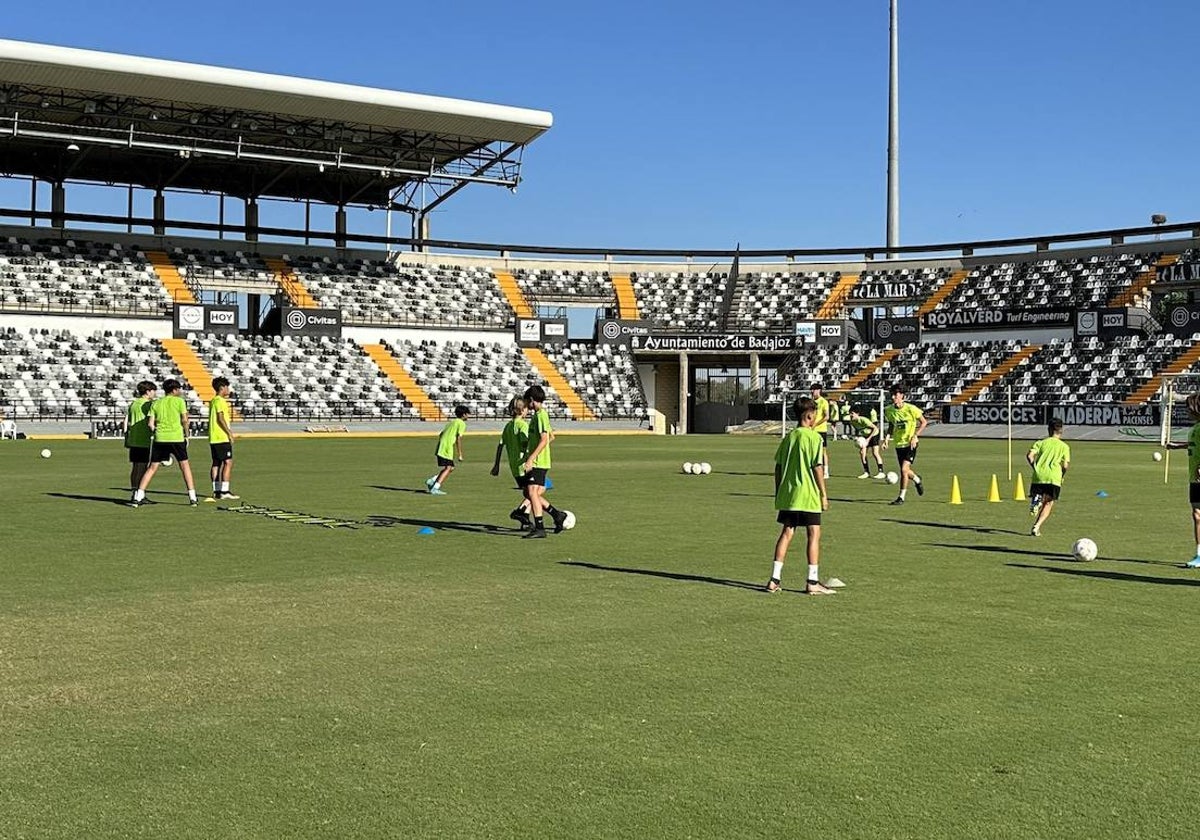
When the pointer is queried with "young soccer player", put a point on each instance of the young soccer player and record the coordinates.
(868, 433)
(514, 440)
(835, 418)
(449, 449)
(1193, 448)
(220, 441)
(800, 496)
(137, 432)
(537, 464)
(1050, 458)
(905, 422)
(821, 424)
(168, 429)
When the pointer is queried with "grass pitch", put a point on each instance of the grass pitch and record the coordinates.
(178, 672)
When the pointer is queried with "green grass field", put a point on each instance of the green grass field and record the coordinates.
(172, 672)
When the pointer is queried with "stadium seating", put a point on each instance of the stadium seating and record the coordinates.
(680, 300)
(827, 364)
(605, 377)
(64, 275)
(1077, 282)
(201, 266)
(56, 373)
(302, 378)
(547, 285)
(935, 373)
(382, 292)
(773, 301)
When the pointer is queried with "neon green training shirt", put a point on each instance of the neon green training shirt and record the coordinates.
(219, 405)
(515, 438)
(799, 454)
(1049, 455)
(904, 422)
(861, 424)
(169, 412)
(822, 425)
(455, 429)
(539, 425)
(137, 424)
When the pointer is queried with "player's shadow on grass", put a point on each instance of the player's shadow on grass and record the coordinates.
(153, 492)
(864, 502)
(1102, 574)
(123, 501)
(381, 521)
(424, 492)
(978, 529)
(1048, 555)
(735, 584)
(728, 472)
(753, 495)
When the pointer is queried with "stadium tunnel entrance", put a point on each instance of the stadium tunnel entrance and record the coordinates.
(704, 392)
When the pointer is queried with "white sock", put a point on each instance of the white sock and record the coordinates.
(777, 569)
(140, 494)
(1198, 549)
(224, 486)
(813, 577)
(916, 479)
(903, 492)
(192, 495)
(437, 486)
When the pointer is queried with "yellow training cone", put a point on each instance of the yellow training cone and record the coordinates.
(955, 496)
(994, 493)
(1019, 492)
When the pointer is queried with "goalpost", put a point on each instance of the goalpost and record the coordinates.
(862, 398)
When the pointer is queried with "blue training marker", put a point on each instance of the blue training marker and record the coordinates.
(426, 531)
(1101, 494)
(549, 483)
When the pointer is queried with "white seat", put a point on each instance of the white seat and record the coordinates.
(8, 429)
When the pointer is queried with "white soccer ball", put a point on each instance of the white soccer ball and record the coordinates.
(45, 453)
(705, 468)
(697, 468)
(687, 467)
(1157, 456)
(893, 478)
(568, 520)
(1084, 550)
(860, 442)
(170, 460)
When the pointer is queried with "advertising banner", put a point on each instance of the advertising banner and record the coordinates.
(204, 318)
(715, 343)
(996, 319)
(884, 290)
(897, 332)
(1188, 272)
(295, 321)
(821, 332)
(1183, 319)
(620, 332)
(554, 330)
(1102, 323)
(1078, 414)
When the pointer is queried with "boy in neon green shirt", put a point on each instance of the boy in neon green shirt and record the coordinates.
(137, 432)
(905, 422)
(537, 464)
(449, 449)
(1193, 448)
(168, 427)
(821, 423)
(514, 440)
(1050, 458)
(800, 496)
(220, 440)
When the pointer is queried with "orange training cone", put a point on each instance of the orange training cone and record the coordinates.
(994, 493)
(955, 496)
(1019, 492)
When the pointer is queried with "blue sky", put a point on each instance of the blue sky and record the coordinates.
(700, 124)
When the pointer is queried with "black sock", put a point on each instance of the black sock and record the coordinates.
(550, 510)
(538, 524)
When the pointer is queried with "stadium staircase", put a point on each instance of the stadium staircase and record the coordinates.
(627, 305)
(943, 291)
(404, 382)
(1181, 363)
(566, 393)
(976, 388)
(169, 276)
(836, 302)
(191, 366)
(290, 284)
(859, 378)
(513, 294)
(1128, 295)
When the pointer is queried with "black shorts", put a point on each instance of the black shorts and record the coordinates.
(1046, 491)
(139, 454)
(1194, 493)
(824, 438)
(872, 441)
(537, 476)
(906, 453)
(221, 452)
(522, 480)
(798, 518)
(445, 462)
(162, 450)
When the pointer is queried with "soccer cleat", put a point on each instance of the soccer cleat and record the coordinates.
(1194, 563)
(865, 475)
(535, 534)
(815, 587)
(1035, 505)
(920, 487)
(896, 501)
(193, 503)
(559, 518)
(881, 475)
(429, 482)
(233, 496)
(133, 503)
(436, 491)
(1034, 532)
(773, 585)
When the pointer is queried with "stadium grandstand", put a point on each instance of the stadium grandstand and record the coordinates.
(395, 331)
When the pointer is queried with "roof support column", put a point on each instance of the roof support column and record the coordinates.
(755, 373)
(160, 213)
(421, 229)
(58, 205)
(339, 227)
(251, 220)
(684, 378)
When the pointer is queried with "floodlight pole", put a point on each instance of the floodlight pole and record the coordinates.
(893, 165)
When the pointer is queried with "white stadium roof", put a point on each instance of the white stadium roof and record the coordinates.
(49, 66)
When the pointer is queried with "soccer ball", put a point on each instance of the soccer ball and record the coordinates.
(45, 453)
(705, 468)
(568, 520)
(1084, 550)
(892, 478)
(687, 467)
(860, 442)
(697, 468)
(170, 460)
(1157, 456)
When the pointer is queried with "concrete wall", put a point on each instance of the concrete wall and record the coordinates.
(87, 324)
(374, 334)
